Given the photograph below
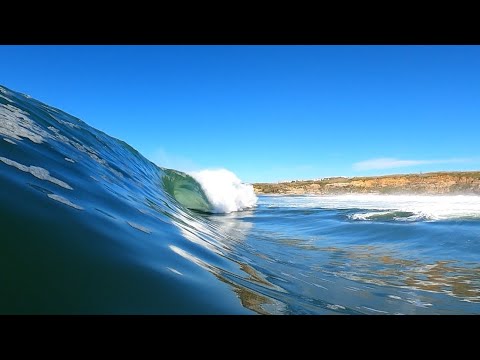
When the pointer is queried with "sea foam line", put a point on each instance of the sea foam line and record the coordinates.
(431, 207)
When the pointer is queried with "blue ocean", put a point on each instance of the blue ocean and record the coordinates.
(90, 226)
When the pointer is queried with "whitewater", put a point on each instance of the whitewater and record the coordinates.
(398, 207)
(90, 226)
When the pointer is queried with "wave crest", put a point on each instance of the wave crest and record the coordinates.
(225, 191)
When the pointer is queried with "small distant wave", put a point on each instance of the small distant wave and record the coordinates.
(388, 216)
(225, 191)
(373, 207)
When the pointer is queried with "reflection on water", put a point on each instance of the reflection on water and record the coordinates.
(372, 265)
(247, 283)
(322, 264)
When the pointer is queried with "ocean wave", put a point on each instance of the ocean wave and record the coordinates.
(210, 191)
(90, 226)
(103, 228)
(373, 207)
(387, 216)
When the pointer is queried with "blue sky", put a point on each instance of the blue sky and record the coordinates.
(269, 113)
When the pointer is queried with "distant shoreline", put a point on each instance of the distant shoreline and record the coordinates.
(434, 183)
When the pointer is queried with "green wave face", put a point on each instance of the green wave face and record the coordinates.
(186, 190)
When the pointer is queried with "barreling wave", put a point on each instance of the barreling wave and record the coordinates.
(186, 190)
(210, 191)
(86, 216)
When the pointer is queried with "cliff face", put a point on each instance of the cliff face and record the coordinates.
(429, 183)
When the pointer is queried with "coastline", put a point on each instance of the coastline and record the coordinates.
(434, 183)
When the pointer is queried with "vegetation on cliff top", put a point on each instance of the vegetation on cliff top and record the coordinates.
(428, 183)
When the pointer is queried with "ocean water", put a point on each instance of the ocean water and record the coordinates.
(90, 226)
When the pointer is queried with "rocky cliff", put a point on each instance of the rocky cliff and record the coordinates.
(429, 183)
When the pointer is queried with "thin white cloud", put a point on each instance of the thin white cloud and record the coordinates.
(171, 161)
(281, 173)
(391, 163)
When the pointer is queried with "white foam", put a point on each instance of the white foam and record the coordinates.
(10, 141)
(64, 201)
(16, 124)
(225, 191)
(174, 271)
(38, 172)
(437, 207)
(368, 215)
(139, 227)
(3, 97)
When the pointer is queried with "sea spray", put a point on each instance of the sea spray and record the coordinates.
(225, 191)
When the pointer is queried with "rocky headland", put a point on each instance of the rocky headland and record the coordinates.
(436, 183)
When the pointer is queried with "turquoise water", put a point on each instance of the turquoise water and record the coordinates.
(89, 226)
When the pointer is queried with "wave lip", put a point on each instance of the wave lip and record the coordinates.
(225, 191)
(387, 216)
